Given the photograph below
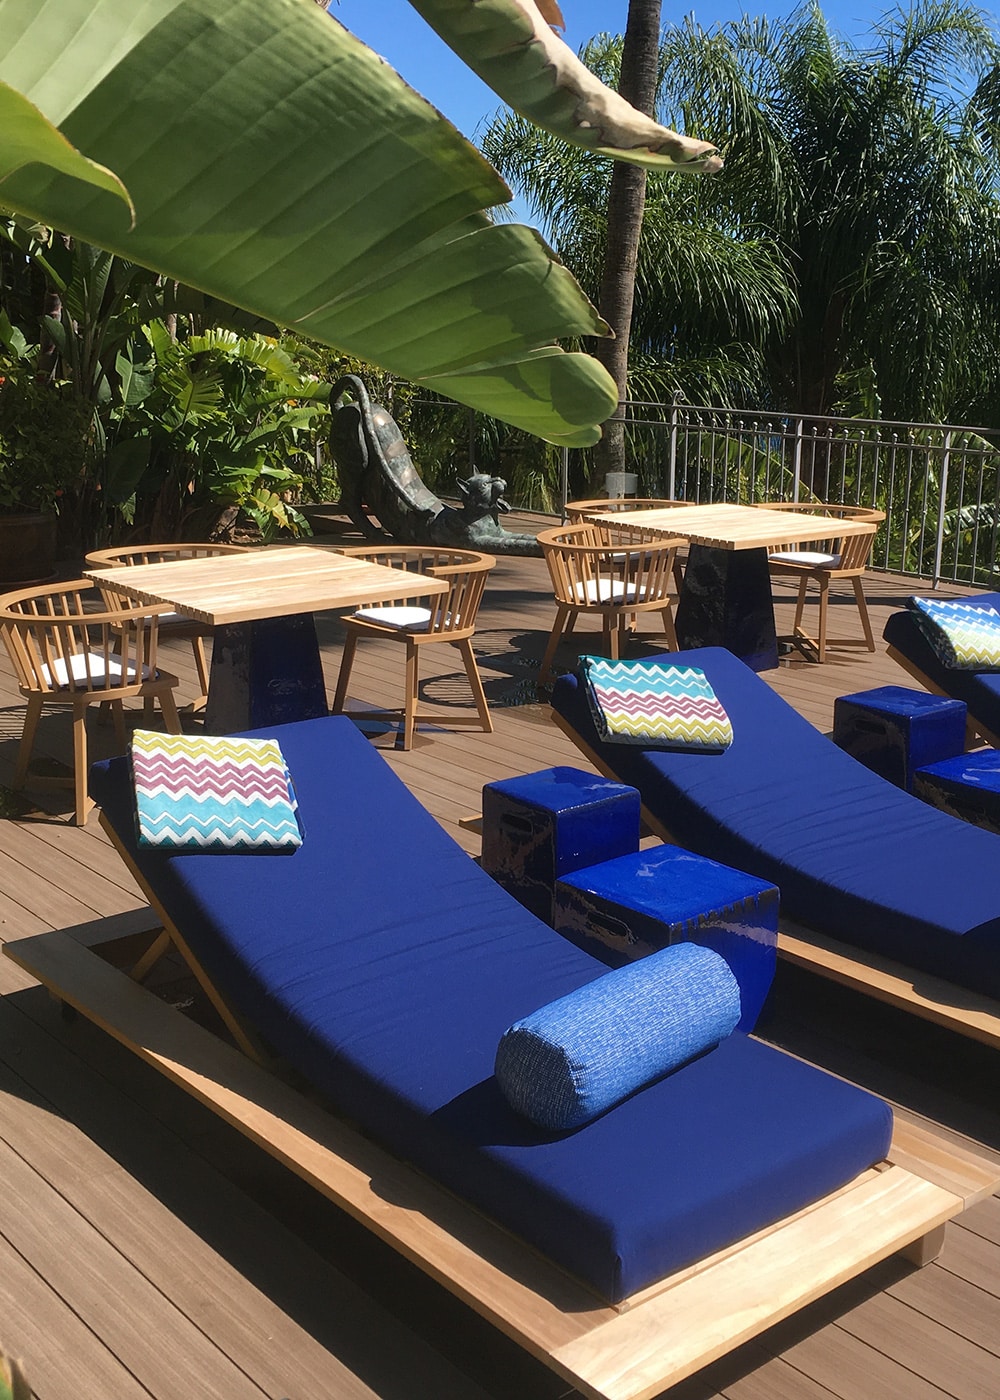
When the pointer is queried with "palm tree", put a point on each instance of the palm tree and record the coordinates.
(708, 297)
(846, 258)
(876, 169)
(637, 83)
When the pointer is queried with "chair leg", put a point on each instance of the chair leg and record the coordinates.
(412, 683)
(824, 600)
(612, 637)
(859, 594)
(118, 715)
(168, 709)
(668, 628)
(346, 662)
(475, 680)
(201, 665)
(800, 602)
(81, 802)
(31, 718)
(558, 628)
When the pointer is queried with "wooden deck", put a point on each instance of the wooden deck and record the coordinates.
(148, 1251)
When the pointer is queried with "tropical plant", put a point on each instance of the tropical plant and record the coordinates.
(156, 133)
(13, 1385)
(216, 424)
(44, 433)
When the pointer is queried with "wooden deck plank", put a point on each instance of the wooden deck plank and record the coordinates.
(925, 1347)
(65, 1359)
(161, 1347)
(216, 1294)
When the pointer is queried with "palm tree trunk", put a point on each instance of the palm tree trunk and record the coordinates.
(626, 202)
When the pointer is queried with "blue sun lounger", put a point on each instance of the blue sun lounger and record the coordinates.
(380, 963)
(854, 858)
(980, 690)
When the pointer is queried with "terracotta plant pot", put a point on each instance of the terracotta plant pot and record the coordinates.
(27, 548)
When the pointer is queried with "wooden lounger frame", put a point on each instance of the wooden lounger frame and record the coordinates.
(629, 1351)
(932, 998)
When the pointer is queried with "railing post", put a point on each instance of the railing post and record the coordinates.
(672, 457)
(797, 461)
(942, 501)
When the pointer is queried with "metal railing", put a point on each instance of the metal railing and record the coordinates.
(938, 484)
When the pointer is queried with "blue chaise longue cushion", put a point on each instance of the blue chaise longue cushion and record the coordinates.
(381, 962)
(852, 855)
(979, 689)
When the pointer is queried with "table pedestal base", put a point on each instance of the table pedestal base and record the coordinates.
(263, 673)
(726, 602)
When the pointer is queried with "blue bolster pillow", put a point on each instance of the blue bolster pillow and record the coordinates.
(577, 1057)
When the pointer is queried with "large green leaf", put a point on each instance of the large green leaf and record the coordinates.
(275, 162)
(512, 47)
(29, 138)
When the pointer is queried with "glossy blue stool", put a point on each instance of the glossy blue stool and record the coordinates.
(967, 786)
(544, 825)
(894, 731)
(626, 908)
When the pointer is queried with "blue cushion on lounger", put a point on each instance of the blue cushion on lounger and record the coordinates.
(384, 965)
(579, 1056)
(851, 854)
(979, 689)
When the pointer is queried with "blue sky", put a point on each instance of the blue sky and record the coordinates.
(397, 32)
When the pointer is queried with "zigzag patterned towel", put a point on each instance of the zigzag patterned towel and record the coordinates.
(643, 702)
(213, 795)
(963, 638)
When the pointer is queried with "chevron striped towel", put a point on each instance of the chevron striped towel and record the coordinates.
(646, 702)
(962, 638)
(213, 795)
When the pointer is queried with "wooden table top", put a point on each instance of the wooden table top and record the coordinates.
(274, 582)
(725, 526)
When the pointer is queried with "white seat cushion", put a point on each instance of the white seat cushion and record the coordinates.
(606, 590)
(405, 619)
(812, 557)
(58, 675)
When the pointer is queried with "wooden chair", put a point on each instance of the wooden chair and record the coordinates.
(608, 572)
(614, 505)
(171, 623)
(826, 562)
(421, 621)
(65, 655)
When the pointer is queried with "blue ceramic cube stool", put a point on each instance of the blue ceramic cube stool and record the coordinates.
(894, 731)
(547, 824)
(626, 908)
(967, 786)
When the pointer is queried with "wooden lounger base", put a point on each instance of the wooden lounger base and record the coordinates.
(932, 998)
(627, 1352)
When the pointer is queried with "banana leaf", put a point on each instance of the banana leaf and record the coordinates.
(510, 44)
(267, 158)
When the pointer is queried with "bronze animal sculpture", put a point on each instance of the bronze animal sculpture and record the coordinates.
(382, 492)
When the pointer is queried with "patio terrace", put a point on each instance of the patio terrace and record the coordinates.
(147, 1250)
